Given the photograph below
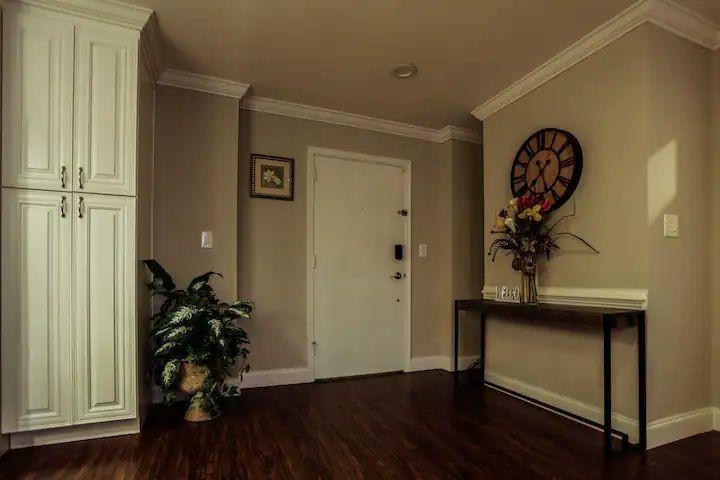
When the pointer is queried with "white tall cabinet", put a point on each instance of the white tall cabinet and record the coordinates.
(69, 265)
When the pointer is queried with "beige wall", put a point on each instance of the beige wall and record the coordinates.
(201, 182)
(196, 185)
(468, 255)
(639, 109)
(272, 235)
(715, 225)
(678, 163)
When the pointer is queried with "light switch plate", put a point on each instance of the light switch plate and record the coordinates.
(671, 225)
(206, 239)
(422, 251)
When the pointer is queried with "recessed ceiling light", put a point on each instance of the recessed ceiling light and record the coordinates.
(405, 70)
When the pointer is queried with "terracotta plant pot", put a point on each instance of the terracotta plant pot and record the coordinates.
(192, 377)
(199, 413)
(191, 381)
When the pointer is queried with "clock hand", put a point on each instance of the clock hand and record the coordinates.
(542, 170)
(540, 173)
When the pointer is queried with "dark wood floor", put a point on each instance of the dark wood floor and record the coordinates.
(398, 426)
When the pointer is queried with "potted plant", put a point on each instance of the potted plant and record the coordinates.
(197, 342)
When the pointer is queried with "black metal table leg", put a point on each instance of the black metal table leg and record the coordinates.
(483, 321)
(455, 340)
(642, 382)
(607, 377)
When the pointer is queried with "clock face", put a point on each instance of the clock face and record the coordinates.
(549, 165)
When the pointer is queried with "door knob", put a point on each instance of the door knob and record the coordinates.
(397, 276)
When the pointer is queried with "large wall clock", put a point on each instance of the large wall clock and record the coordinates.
(548, 164)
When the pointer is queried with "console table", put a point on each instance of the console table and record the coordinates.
(600, 318)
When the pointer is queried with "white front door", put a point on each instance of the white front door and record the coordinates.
(359, 307)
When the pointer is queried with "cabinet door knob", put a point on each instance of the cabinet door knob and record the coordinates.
(81, 207)
(63, 206)
(63, 173)
(80, 178)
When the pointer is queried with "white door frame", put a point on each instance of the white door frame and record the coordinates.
(405, 165)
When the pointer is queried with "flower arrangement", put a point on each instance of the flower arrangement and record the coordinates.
(527, 233)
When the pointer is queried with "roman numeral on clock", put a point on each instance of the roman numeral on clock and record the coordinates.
(517, 179)
(564, 146)
(564, 181)
(567, 162)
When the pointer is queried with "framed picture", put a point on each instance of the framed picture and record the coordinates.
(272, 177)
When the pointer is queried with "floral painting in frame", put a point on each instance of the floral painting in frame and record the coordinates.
(271, 177)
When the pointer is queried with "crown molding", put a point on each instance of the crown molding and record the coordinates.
(458, 133)
(107, 11)
(203, 83)
(152, 47)
(684, 23)
(661, 13)
(583, 48)
(336, 117)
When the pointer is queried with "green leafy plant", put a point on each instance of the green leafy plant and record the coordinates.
(194, 328)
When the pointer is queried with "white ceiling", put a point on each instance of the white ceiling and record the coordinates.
(338, 53)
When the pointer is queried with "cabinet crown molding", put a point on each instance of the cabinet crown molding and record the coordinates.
(107, 11)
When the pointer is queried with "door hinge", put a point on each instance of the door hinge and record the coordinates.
(314, 349)
(314, 261)
(315, 173)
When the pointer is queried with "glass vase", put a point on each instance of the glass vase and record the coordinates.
(528, 281)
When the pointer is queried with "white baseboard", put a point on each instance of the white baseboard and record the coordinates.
(676, 427)
(572, 405)
(437, 362)
(660, 432)
(74, 433)
(271, 378)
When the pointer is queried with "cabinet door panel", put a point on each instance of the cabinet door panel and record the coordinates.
(105, 110)
(38, 95)
(36, 308)
(104, 236)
